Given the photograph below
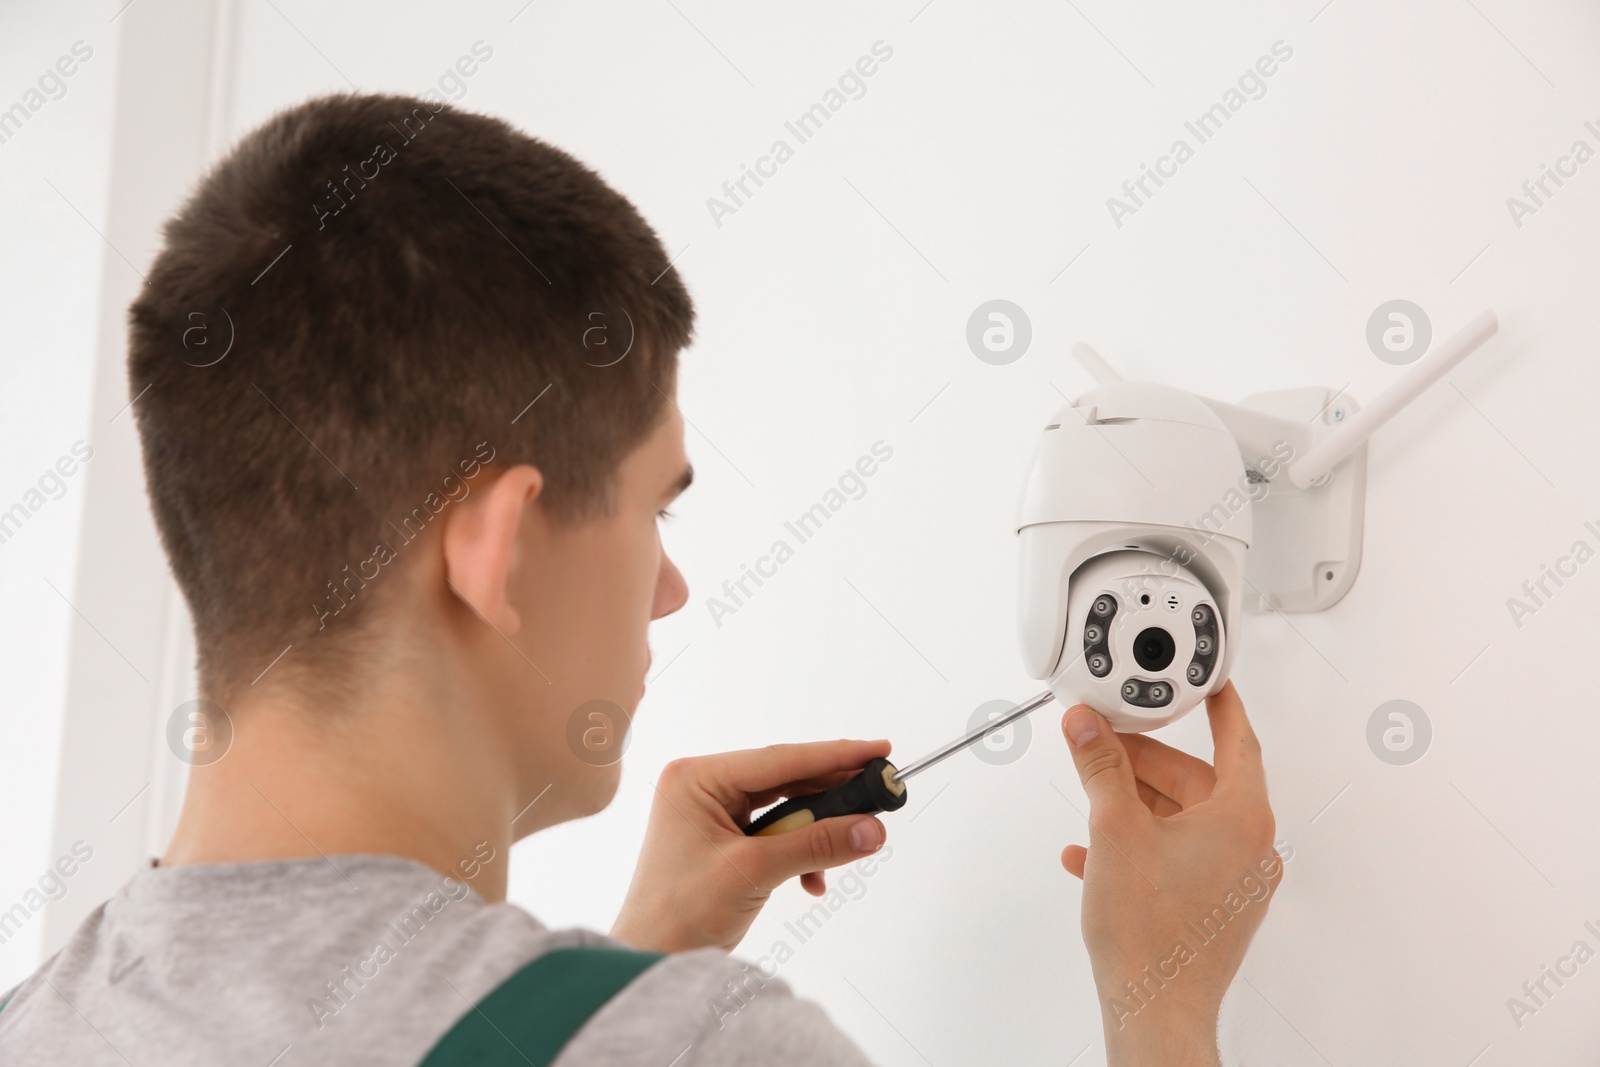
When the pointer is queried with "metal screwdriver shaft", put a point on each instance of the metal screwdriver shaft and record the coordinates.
(997, 723)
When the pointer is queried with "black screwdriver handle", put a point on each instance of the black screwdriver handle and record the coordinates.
(871, 791)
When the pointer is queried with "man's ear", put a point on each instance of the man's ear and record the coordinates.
(480, 542)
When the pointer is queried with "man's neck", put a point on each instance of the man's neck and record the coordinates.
(389, 778)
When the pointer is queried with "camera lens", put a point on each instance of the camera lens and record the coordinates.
(1093, 634)
(1099, 665)
(1130, 690)
(1103, 605)
(1202, 644)
(1154, 649)
(1201, 616)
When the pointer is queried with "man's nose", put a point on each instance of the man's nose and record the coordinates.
(672, 592)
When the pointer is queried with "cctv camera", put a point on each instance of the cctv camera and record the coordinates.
(1133, 535)
(1141, 504)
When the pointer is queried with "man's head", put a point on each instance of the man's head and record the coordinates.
(406, 374)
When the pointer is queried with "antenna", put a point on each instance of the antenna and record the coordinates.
(1314, 467)
(1102, 372)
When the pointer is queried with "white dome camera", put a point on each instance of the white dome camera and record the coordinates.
(1138, 515)
(1133, 531)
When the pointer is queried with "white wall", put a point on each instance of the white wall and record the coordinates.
(833, 307)
(53, 180)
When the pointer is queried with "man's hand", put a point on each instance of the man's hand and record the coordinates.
(1177, 876)
(700, 881)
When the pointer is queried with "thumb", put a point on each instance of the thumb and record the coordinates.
(1103, 764)
(819, 846)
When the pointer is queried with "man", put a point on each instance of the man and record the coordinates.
(415, 515)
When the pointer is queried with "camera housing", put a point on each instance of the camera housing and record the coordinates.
(1133, 491)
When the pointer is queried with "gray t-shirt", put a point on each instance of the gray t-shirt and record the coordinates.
(363, 959)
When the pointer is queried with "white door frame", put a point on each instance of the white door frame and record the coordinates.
(131, 659)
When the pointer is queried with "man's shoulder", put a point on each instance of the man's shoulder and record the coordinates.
(702, 1008)
(367, 962)
(351, 958)
(708, 1009)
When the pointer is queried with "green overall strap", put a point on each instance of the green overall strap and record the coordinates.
(530, 1016)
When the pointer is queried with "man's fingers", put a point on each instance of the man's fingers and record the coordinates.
(801, 788)
(754, 770)
(1178, 775)
(1102, 762)
(1073, 858)
(817, 847)
(1237, 752)
(1159, 803)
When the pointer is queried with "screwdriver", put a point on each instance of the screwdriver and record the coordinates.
(879, 786)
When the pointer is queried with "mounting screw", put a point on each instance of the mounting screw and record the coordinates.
(1338, 414)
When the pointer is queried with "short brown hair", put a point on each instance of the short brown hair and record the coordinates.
(396, 283)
